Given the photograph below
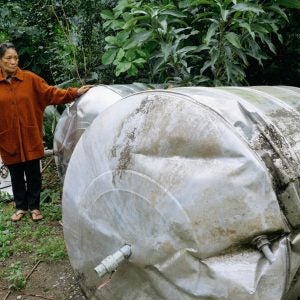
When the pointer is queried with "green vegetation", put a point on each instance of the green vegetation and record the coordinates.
(61, 40)
(42, 241)
(198, 42)
(14, 275)
(193, 42)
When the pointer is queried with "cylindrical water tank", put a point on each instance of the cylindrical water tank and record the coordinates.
(78, 117)
(190, 193)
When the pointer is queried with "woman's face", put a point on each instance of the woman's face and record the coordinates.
(9, 61)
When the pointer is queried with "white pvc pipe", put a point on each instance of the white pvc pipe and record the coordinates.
(111, 262)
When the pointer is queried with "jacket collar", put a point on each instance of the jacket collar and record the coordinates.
(19, 75)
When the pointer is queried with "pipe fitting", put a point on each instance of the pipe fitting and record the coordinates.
(263, 244)
(111, 262)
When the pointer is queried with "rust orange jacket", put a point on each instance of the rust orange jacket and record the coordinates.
(22, 105)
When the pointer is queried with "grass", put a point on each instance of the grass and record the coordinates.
(14, 275)
(37, 241)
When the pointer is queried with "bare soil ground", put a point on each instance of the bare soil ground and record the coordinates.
(44, 280)
(53, 281)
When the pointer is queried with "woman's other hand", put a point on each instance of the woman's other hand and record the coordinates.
(83, 89)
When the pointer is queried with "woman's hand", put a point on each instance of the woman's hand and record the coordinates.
(84, 89)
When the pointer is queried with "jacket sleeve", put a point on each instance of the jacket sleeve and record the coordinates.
(51, 95)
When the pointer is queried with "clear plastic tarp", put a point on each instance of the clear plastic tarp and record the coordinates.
(78, 116)
(5, 181)
(201, 183)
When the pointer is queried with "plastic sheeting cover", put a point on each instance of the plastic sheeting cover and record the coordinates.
(188, 178)
(5, 180)
(78, 117)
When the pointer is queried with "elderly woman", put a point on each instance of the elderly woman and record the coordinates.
(23, 99)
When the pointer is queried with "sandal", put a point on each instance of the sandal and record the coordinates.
(18, 215)
(36, 215)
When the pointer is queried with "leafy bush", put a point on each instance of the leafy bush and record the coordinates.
(284, 66)
(153, 40)
(209, 42)
(60, 40)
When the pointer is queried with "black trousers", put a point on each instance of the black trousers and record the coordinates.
(26, 193)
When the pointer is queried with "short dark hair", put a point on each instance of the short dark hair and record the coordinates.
(4, 47)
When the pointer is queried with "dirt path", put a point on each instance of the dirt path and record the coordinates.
(53, 281)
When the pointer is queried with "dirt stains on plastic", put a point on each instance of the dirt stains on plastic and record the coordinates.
(124, 143)
(277, 155)
(125, 156)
